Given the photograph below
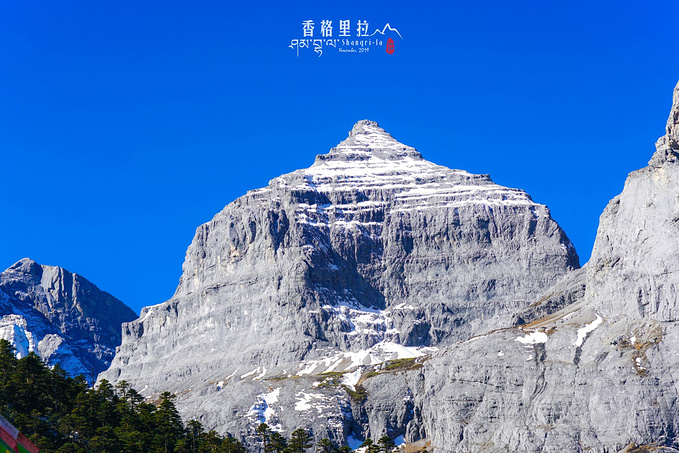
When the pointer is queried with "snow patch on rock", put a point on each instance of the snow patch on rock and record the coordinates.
(584, 331)
(533, 338)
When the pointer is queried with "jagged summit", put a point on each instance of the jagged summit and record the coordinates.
(25, 265)
(370, 159)
(366, 127)
(672, 127)
(667, 146)
(367, 141)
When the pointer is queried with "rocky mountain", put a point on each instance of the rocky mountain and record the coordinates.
(597, 373)
(371, 254)
(61, 316)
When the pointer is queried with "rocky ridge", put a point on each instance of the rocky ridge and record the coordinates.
(597, 374)
(61, 316)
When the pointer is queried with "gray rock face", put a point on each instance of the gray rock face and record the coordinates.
(634, 260)
(370, 254)
(61, 316)
(597, 375)
(568, 290)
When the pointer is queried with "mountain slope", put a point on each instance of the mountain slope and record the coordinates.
(598, 375)
(370, 254)
(61, 316)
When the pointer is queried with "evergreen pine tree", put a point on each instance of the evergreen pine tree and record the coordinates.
(193, 429)
(370, 446)
(326, 446)
(170, 427)
(386, 444)
(277, 443)
(231, 445)
(210, 442)
(300, 440)
(264, 433)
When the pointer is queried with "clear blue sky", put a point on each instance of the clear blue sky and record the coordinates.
(126, 124)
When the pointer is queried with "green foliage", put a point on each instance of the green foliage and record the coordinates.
(330, 379)
(280, 377)
(326, 446)
(277, 444)
(369, 374)
(264, 433)
(332, 374)
(231, 445)
(402, 364)
(300, 440)
(61, 414)
(370, 446)
(386, 444)
(393, 366)
(360, 394)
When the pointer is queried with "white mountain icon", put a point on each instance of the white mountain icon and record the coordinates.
(387, 27)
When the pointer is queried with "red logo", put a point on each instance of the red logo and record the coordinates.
(390, 46)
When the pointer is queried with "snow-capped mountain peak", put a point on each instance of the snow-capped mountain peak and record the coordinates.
(368, 141)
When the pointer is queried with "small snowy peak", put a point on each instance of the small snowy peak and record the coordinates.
(367, 127)
(372, 161)
(24, 266)
(367, 139)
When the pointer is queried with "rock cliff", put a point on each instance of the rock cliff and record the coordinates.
(61, 316)
(599, 374)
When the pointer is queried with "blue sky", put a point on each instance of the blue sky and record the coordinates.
(125, 125)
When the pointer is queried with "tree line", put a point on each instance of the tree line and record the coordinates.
(300, 440)
(59, 413)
